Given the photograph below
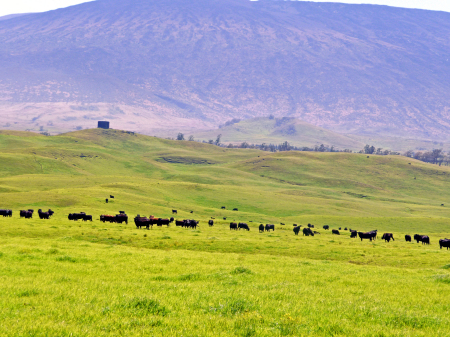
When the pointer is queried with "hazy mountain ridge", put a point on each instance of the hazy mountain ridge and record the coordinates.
(349, 68)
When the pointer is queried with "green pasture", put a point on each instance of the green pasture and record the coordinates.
(66, 278)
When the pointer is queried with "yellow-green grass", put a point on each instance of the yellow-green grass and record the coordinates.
(61, 277)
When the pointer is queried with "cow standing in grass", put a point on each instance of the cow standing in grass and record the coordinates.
(444, 243)
(408, 238)
(270, 227)
(297, 230)
(387, 237)
(326, 227)
(335, 231)
(261, 228)
(243, 225)
(353, 233)
(211, 223)
(233, 225)
(307, 232)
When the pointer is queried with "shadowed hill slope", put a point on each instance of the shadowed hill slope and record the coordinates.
(349, 68)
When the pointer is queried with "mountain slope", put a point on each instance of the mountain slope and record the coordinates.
(350, 68)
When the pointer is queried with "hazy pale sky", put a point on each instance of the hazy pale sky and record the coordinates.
(28, 6)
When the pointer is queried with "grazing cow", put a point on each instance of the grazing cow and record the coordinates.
(142, 222)
(45, 215)
(172, 219)
(270, 227)
(261, 228)
(444, 243)
(224, 218)
(345, 228)
(316, 232)
(211, 223)
(235, 209)
(282, 224)
(6, 212)
(107, 218)
(353, 234)
(387, 237)
(163, 222)
(122, 217)
(418, 237)
(340, 228)
(243, 225)
(26, 214)
(106, 200)
(191, 224)
(425, 240)
(326, 227)
(179, 223)
(87, 217)
(174, 211)
(310, 226)
(223, 207)
(335, 231)
(408, 238)
(296, 230)
(111, 197)
(369, 235)
(233, 225)
(307, 232)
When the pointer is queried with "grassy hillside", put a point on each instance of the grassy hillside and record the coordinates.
(97, 279)
(299, 133)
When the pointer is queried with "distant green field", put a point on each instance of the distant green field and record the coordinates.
(301, 134)
(66, 278)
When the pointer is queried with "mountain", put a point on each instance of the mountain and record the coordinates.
(158, 66)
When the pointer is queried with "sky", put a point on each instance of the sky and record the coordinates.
(30, 6)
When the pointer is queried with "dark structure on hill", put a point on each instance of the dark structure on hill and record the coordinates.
(103, 125)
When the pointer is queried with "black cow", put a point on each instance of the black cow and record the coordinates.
(224, 218)
(111, 197)
(6, 212)
(270, 227)
(163, 222)
(243, 225)
(425, 240)
(179, 223)
(282, 224)
(296, 230)
(418, 237)
(235, 209)
(340, 228)
(261, 228)
(368, 235)
(345, 229)
(233, 225)
(191, 224)
(387, 237)
(353, 234)
(142, 222)
(408, 238)
(211, 223)
(45, 215)
(307, 232)
(444, 243)
(310, 226)
(27, 214)
(335, 231)
(223, 207)
(326, 227)
(174, 211)
(87, 217)
(122, 217)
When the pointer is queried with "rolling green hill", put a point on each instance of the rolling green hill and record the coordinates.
(81, 168)
(62, 278)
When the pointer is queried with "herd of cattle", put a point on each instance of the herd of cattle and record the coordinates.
(148, 222)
